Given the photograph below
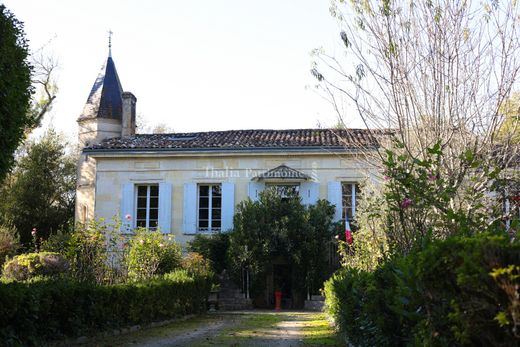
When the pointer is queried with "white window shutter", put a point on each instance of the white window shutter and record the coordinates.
(165, 207)
(228, 205)
(127, 206)
(190, 208)
(254, 189)
(309, 192)
(335, 197)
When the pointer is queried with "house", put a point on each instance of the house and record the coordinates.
(190, 183)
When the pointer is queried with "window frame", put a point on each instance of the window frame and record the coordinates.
(354, 186)
(147, 219)
(210, 219)
(273, 186)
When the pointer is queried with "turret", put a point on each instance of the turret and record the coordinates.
(109, 112)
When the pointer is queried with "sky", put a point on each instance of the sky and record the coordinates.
(194, 65)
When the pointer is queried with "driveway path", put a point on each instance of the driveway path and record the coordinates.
(234, 329)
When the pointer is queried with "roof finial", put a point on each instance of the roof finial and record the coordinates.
(110, 43)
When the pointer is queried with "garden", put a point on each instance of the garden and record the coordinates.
(94, 279)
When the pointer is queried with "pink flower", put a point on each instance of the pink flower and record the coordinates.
(33, 232)
(128, 217)
(432, 177)
(141, 242)
(407, 202)
(387, 178)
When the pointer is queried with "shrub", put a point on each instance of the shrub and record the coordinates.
(38, 310)
(9, 243)
(196, 265)
(58, 242)
(213, 247)
(455, 292)
(150, 253)
(88, 251)
(25, 266)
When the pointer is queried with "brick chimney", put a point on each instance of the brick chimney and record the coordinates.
(128, 118)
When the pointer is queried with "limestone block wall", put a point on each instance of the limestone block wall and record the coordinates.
(106, 175)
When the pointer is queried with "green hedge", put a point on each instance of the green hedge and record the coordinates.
(444, 295)
(47, 309)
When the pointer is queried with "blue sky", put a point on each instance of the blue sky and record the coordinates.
(194, 65)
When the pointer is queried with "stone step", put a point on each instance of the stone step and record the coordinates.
(312, 305)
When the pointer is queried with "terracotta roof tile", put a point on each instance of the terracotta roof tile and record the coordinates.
(245, 139)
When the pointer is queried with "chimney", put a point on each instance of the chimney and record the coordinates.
(129, 125)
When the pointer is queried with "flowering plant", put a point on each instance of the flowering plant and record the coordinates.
(150, 252)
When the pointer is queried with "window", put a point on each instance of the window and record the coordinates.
(210, 207)
(285, 191)
(147, 206)
(349, 192)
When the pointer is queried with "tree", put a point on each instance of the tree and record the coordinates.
(40, 192)
(510, 130)
(15, 87)
(274, 228)
(434, 75)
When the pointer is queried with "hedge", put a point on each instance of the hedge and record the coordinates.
(459, 292)
(48, 309)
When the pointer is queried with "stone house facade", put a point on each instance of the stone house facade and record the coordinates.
(190, 183)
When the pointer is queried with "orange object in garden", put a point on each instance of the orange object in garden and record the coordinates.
(278, 300)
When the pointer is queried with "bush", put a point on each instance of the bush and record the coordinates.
(212, 247)
(44, 309)
(25, 266)
(88, 251)
(9, 243)
(196, 265)
(455, 292)
(150, 253)
(57, 242)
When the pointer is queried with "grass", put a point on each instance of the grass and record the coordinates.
(257, 328)
(318, 331)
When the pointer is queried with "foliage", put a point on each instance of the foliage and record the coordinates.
(34, 311)
(424, 201)
(510, 130)
(57, 242)
(150, 252)
(15, 84)
(196, 265)
(370, 244)
(9, 242)
(29, 265)
(454, 292)
(274, 227)
(40, 193)
(213, 247)
(89, 252)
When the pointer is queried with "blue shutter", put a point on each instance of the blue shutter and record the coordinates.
(228, 205)
(335, 197)
(127, 207)
(165, 207)
(190, 208)
(309, 192)
(254, 189)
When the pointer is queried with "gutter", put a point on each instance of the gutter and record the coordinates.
(232, 150)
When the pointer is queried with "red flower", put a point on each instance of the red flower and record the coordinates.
(348, 237)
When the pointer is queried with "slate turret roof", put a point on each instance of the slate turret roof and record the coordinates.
(245, 140)
(105, 98)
